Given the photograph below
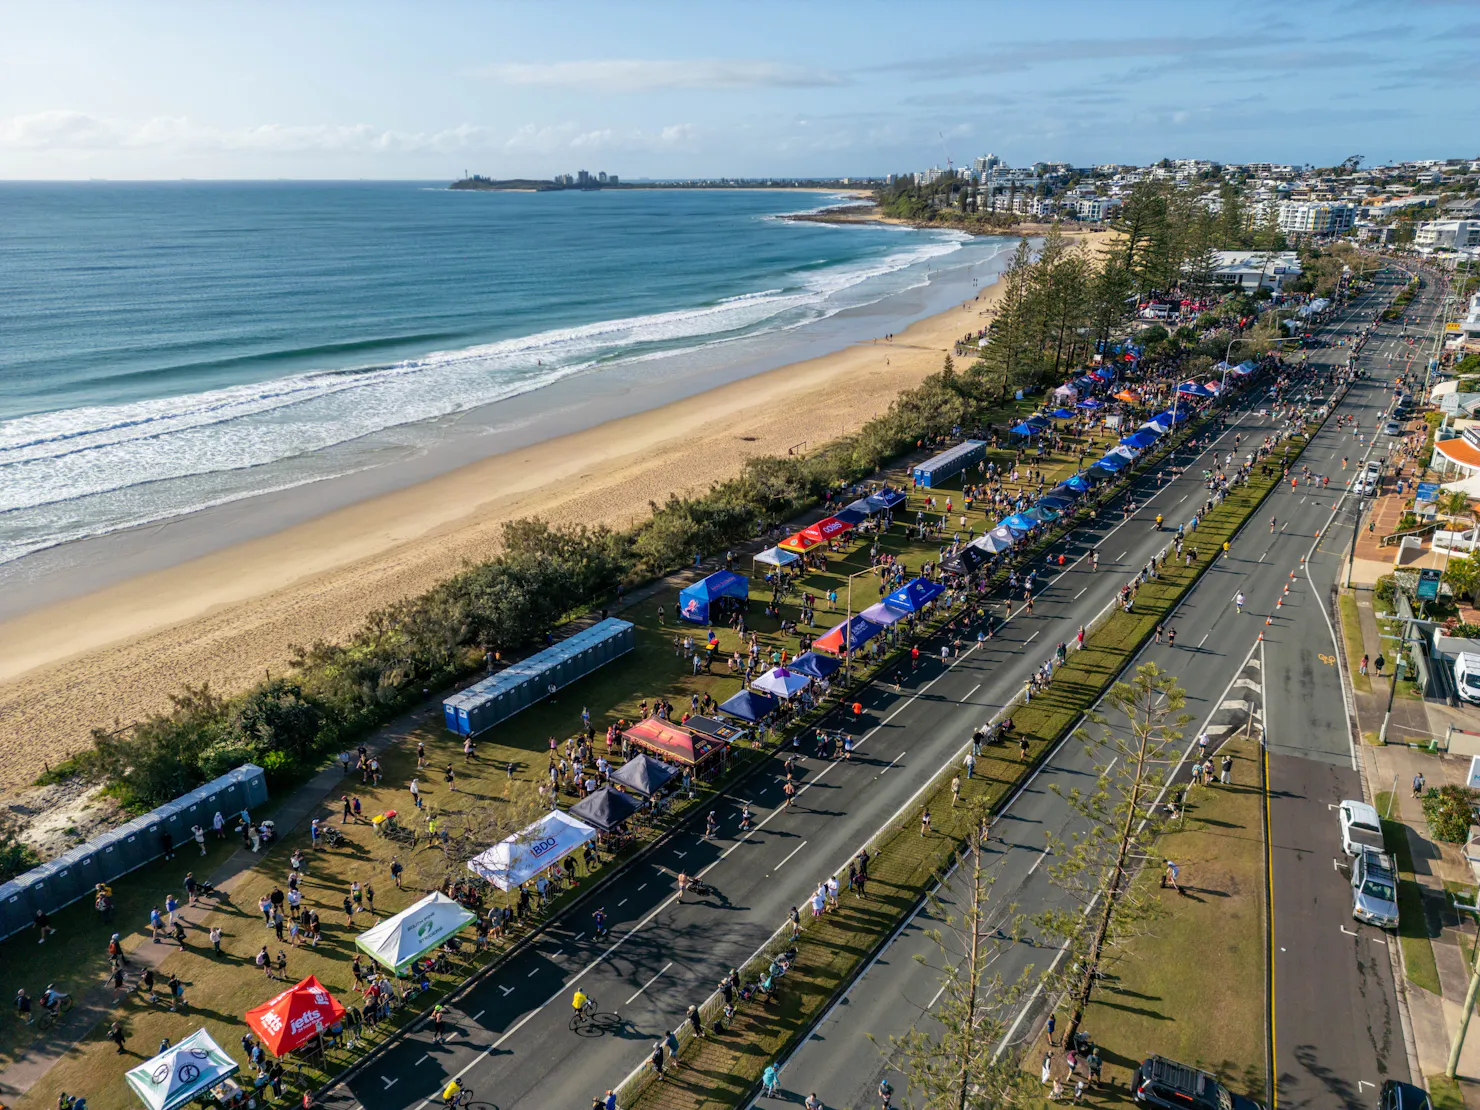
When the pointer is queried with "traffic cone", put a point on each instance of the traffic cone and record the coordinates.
(1261, 637)
(1280, 603)
(1267, 622)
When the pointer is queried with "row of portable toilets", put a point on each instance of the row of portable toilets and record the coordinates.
(74, 875)
(522, 684)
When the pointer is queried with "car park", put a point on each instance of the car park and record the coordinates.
(1360, 827)
(1375, 889)
(1166, 1083)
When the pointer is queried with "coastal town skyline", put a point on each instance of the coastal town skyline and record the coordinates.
(89, 91)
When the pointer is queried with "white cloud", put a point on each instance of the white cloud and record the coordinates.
(58, 129)
(634, 74)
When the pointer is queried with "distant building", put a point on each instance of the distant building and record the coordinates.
(1250, 270)
(1447, 234)
(1315, 218)
(1095, 208)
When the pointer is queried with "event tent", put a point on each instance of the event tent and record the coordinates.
(1063, 414)
(1026, 429)
(1019, 523)
(714, 728)
(295, 1017)
(992, 543)
(781, 682)
(668, 741)
(850, 516)
(1038, 421)
(1127, 396)
(883, 615)
(1139, 439)
(847, 636)
(1123, 452)
(828, 528)
(799, 541)
(182, 1072)
(914, 595)
(644, 774)
(1091, 403)
(1041, 513)
(887, 498)
(694, 601)
(1192, 389)
(966, 561)
(605, 809)
(818, 666)
(1078, 483)
(776, 557)
(519, 858)
(750, 705)
(1056, 501)
(416, 930)
(1112, 463)
(1003, 534)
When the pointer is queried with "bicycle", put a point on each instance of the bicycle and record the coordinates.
(51, 1015)
(586, 1015)
(463, 1096)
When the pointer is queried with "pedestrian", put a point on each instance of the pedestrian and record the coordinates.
(1049, 1028)
(264, 961)
(1095, 1064)
(1227, 776)
(437, 1035)
(200, 838)
(1418, 781)
(1045, 1073)
(415, 794)
(115, 1034)
(695, 1025)
(769, 1079)
(955, 790)
(656, 1059)
(177, 994)
(1362, 666)
(396, 872)
(43, 925)
(146, 983)
(370, 897)
(216, 940)
(1169, 877)
(925, 821)
(282, 964)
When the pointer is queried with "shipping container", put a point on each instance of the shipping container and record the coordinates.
(498, 697)
(932, 472)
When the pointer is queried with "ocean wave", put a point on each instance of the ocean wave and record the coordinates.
(125, 452)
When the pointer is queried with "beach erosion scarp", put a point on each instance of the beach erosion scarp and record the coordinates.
(117, 654)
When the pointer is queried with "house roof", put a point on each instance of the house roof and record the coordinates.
(1459, 451)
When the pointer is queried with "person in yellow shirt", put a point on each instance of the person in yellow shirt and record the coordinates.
(578, 1000)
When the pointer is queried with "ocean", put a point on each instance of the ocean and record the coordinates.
(166, 347)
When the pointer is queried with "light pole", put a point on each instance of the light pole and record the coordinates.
(847, 626)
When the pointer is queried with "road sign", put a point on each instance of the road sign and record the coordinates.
(1428, 585)
(1427, 491)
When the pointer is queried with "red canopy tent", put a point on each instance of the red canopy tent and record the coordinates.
(678, 744)
(800, 542)
(295, 1017)
(829, 528)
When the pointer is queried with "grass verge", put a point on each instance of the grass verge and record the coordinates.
(1413, 926)
(1351, 633)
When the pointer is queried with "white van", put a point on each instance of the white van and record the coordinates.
(1467, 676)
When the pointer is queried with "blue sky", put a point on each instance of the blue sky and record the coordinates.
(425, 90)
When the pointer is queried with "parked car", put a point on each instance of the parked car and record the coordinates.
(1467, 676)
(1360, 827)
(1162, 1082)
(1375, 889)
(1397, 1095)
(1392, 428)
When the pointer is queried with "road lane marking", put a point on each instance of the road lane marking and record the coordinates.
(1031, 638)
(479, 1014)
(1041, 856)
(791, 853)
(649, 983)
(1080, 594)
(622, 903)
(507, 990)
(389, 1083)
(424, 1056)
(892, 762)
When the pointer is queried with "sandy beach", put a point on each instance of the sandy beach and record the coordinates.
(116, 654)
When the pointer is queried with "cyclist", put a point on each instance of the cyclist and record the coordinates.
(1158, 522)
(1238, 601)
(452, 1093)
(580, 1001)
(51, 998)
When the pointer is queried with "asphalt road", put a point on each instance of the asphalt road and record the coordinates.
(1216, 643)
(511, 1040)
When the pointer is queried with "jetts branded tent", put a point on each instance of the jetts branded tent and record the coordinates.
(847, 636)
(295, 1017)
(524, 855)
(413, 932)
(182, 1072)
(694, 602)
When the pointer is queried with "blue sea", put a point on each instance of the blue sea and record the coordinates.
(170, 346)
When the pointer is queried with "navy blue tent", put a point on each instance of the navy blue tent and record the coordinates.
(750, 705)
(1138, 440)
(605, 809)
(851, 515)
(644, 774)
(693, 603)
(810, 663)
(887, 498)
(914, 596)
(1056, 501)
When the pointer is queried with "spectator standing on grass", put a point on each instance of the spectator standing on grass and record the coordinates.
(200, 838)
(396, 872)
(115, 1034)
(216, 939)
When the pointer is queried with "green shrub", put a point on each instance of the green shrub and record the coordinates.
(1385, 590)
(1449, 810)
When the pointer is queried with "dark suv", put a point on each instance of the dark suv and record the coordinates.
(1162, 1082)
(1403, 1096)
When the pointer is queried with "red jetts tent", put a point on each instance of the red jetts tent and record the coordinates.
(799, 542)
(295, 1017)
(678, 744)
(828, 528)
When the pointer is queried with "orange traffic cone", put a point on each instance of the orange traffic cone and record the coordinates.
(1261, 637)
(1267, 622)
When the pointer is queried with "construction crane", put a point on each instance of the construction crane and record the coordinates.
(949, 165)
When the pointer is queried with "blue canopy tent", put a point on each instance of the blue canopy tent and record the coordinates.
(848, 636)
(1176, 416)
(863, 505)
(1091, 403)
(1192, 389)
(883, 615)
(1112, 463)
(1056, 501)
(1078, 483)
(1084, 381)
(749, 705)
(1123, 452)
(818, 666)
(915, 595)
(1162, 423)
(1026, 429)
(782, 682)
(887, 498)
(1042, 513)
(1064, 414)
(1138, 440)
(694, 602)
(851, 515)
(1038, 421)
(1003, 534)
(1017, 525)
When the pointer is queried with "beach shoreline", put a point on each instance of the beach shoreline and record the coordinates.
(112, 655)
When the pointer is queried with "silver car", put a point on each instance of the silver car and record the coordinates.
(1375, 889)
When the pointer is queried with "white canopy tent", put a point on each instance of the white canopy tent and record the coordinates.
(413, 932)
(528, 852)
(777, 557)
(181, 1072)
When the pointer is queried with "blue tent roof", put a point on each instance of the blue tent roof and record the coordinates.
(1139, 439)
(1111, 463)
(1056, 500)
(850, 515)
(1037, 421)
(749, 705)
(913, 596)
(1017, 522)
(722, 583)
(1192, 389)
(1064, 414)
(818, 666)
(1078, 484)
(1025, 429)
(1042, 513)
(1175, 417)
(1091, 403)
(887, 498)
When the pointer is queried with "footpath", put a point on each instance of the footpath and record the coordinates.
(1436, 941)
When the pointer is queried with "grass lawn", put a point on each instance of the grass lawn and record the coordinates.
(1209, 944)
(488, 798)
(1351, 631)
(719, 1072)
(1413, 927)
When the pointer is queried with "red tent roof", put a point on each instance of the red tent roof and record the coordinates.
(801, 541)
(670, 740)
(294, 1017)
(829, 528)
